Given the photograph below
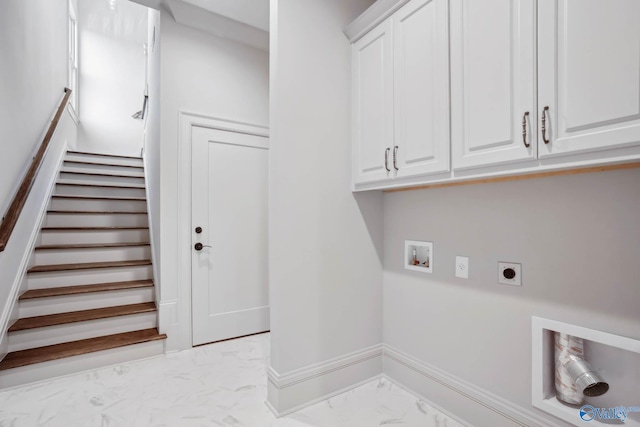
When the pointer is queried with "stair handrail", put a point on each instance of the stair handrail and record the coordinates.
(15, 209)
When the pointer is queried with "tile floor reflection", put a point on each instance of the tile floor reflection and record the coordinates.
(223, 384)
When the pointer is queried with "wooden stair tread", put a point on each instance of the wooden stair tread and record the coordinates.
(102, 164)
(87, 266)
(91, 228)
(61, 196)
(103, 155)
(101, 174)
(90, 246)
(76, 348)
(95, 213)
(84, 289)
(81, 316)
(78, 184)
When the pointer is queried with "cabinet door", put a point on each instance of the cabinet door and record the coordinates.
(492, 81)
(421, 88)
(372, 83)
(589, 74)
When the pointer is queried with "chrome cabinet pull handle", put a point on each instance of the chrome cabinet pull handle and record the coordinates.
(395, 157)
(386, 159)
(524, 129)
(544, 124)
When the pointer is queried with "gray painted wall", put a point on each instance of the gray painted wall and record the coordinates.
(325, 275)
(578, 239)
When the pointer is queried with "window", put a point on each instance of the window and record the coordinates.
(73, 57)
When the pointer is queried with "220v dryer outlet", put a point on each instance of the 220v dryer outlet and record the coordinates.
(510, 273)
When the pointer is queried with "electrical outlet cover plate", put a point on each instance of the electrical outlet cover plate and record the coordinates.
(504, 279)
(462, 267)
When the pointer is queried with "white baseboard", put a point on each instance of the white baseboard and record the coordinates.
(466, 400)
(168, 324)
(294, 390)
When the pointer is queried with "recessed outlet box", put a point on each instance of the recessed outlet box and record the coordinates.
(510, 273)
(418, 256)
(462, 267)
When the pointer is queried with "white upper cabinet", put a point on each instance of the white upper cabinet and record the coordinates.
(453, 90)
(372, 84)
(492, 82)
(588, 74)
(421, 88)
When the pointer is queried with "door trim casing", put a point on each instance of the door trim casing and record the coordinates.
(182, 306)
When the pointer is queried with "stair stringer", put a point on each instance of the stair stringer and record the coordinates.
(17, 257)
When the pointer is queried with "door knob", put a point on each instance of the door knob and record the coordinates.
(198, 246)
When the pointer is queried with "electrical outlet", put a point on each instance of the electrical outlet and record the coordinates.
(462, 267)
(510, 273)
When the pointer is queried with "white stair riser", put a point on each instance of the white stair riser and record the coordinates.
(84, 362)
(96, 220)
(103, 159)
(90, 237)
(117, 170)
(67, 303)
(70, 256)
(40, 337)
(96, 205)
(97, 173)
(76, 190)
(88, 277)
(99, 179)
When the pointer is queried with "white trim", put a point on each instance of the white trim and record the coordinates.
(306, 373)
(154, 264)
(496, 404)
(187, 120)
(73, 114)
(299, 388)
(374, 15)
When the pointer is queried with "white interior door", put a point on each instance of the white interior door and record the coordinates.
(229, 205)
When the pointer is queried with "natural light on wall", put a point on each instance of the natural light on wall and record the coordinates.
(73, 56)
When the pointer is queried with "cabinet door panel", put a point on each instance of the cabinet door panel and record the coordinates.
(421, 81)
(372, 104)
(492, 81)
(589, 74)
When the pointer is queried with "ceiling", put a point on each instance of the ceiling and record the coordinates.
(250, 12)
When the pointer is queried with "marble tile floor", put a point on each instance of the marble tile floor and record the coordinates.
(221, 384)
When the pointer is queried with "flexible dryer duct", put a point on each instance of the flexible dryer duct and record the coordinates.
(574, 377)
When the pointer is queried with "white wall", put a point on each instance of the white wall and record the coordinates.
(33, 74)
(151, 143)
(204, 74)
(112, 76)
(578, 240)
(324, 243)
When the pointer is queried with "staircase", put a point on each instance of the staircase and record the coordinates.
(90, 298)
